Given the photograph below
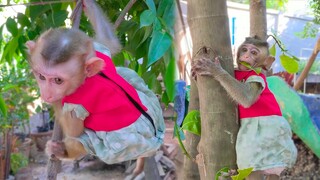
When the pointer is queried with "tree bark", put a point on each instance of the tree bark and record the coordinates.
(208, 22)
(190, 168)
(54, 164)
(258, 18)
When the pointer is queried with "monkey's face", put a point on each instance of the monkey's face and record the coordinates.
(56, 82)
(250, 55)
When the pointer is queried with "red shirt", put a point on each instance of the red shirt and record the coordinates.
(109, 107)
(266, 105)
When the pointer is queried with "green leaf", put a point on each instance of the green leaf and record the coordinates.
(162, 7)
(3, 107)
(157, 25)
(23, 20)
(147, 33)
(12, 26)
(37, 11)
(9, 49)
(219, 173)
(147, 17)
(169, 16)
(289, 63)
(192, 122)
(160, 43)
(151, 5)
(243, 173)
(169, 80)
(56, 18)
(272, 50)
(257, 70)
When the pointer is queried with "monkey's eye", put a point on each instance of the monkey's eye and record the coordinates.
(41, 77)
(244, 49)
(58, 80)
(254, 52)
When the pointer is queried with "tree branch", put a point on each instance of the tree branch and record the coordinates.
(123, 13)
(37, 3)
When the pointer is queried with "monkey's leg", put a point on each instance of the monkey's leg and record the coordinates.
(74, 149)
(139, 166)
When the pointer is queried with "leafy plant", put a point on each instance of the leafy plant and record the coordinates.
(192, 124)
(17, 161)
(18, 89)
(227, 172)
(146, 34)
(289, 62)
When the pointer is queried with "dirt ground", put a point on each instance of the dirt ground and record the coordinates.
(307, 166)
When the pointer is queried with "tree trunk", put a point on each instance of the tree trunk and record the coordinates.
(54, 164)
(190, 168)
(208, 22)
(258, 18)
(305, 71)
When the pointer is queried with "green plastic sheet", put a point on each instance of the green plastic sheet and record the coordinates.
(296, 113)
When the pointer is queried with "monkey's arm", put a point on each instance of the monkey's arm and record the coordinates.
(243, 93)
(103, 28)
(69, 148)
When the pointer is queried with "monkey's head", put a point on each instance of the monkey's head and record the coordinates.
(61, 59)
(255, 53)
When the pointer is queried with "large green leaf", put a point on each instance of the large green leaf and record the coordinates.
(56, 18)
(170, 75)
(289, 63)
(23, 20)
(151, 6)
(272, 50)
(160, 43)
(12, 26)
(192, 122)
(9, 49)
(162, 7)
(3, 107)
(36, 11)
(147, 18)
(169, 16)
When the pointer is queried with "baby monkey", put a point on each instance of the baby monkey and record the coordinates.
(263, 132)
(103, 110)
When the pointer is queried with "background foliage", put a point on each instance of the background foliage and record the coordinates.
(146, 35)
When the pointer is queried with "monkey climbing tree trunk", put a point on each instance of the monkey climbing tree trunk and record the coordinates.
(307, 68)
(208, 22)
(258, 18)
(54, 164)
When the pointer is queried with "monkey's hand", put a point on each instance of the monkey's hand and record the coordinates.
(206, 63)
(57, 148)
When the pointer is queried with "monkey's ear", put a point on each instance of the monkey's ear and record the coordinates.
(268, 63)
(30, 45)
(93, 66)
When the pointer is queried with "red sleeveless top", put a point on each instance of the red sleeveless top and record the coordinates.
(266, 105)
(109, 107)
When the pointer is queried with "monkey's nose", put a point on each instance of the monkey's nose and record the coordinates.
(47, 99)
